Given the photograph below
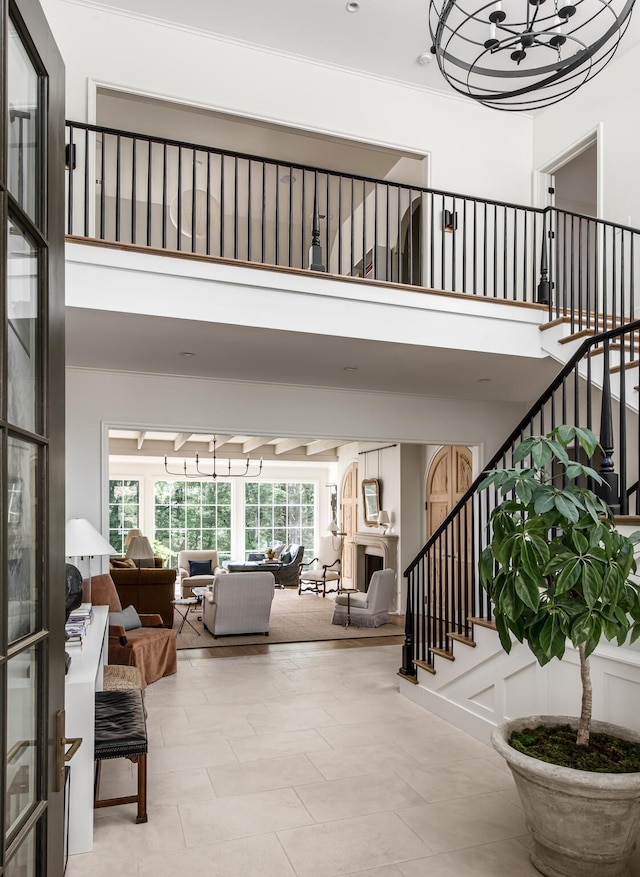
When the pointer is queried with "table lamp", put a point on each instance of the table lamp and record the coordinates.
(384, 520)
(83, 540)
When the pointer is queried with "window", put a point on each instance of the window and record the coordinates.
(192, 515)
(124, 510)
(276, 512)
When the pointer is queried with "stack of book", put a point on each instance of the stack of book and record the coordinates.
(78, 624)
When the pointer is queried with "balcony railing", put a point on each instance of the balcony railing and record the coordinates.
(163, 193)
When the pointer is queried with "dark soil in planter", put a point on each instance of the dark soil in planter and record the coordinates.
(557, 745)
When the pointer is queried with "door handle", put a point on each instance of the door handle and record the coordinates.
(64, 755)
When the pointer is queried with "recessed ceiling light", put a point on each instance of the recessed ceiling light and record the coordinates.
(186, 353)
(484, 380)
(350, 368)
(352, 6)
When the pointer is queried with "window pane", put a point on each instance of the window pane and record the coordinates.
(124, 510)
(23, 863)
(22, 329)
(22, 537)
(22, 740)
(22, 124)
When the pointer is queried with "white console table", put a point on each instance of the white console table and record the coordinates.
(81, 683)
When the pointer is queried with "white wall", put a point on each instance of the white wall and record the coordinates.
(470, 146)
(609, 100)
(97, 400)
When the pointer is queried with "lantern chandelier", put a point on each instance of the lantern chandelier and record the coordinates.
(214, 473)
(524, 54)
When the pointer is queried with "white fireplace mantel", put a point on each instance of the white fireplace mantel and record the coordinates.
(380, 545)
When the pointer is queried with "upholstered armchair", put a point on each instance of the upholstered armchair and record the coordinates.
(151, 648)
(370, 609)
(322, 574)
(239, 603)
(191, 576)
(289, 572)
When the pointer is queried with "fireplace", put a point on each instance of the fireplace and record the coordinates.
(374, 551)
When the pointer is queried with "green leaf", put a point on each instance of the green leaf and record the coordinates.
(559, 452)
(564, 434)
(524, 449)
(568, 576)
(566, 508)
(587, 440)
(524, 491)
(591, 584)
(503, 633)
(552, 638)
(528, 592)
(545, 501)
(541, 454)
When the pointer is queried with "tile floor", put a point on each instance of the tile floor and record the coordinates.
(306, 760)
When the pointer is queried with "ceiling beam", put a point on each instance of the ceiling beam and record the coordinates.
(255, 442)
(322, 445)
(283, 446)
(141, 437)
(220, 440)
(181, 439)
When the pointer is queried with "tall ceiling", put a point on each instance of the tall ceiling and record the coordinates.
(382, 38)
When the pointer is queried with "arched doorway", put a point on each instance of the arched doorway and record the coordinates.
(448, 601)
(349, 519)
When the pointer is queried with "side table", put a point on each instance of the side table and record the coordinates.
(187, 603)
(348, 592)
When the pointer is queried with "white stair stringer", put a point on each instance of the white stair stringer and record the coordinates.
(484, 686)
(562, 352)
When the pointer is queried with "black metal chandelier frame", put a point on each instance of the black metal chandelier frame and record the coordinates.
(530, 61)
(200, 474)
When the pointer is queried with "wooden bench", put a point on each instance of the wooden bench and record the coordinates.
(121, 732)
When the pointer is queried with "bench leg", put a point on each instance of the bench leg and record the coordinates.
(142, 789)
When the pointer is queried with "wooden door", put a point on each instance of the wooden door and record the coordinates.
(349, 524)
(448, 598)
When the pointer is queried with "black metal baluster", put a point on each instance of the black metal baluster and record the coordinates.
(327, 221)
(179, 224)
(514, 294)
(222, 216)
(86, 182)
(365, 259)
(194, 195)
(133, 191)
(249, 211)
(164, 196)
(454, 222)
(376, 271)
(464, 245)
(118, 146)
(432, 236)
(236, 211)
(70, 167)
(149, 174)
(263, 211)
(352, 223)
(102, 188)
(340, 268)
(315, 219)
(622, 428)
(207, 248)
(609, 490)
(408, 668)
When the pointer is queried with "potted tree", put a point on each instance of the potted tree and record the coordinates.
(557, 570)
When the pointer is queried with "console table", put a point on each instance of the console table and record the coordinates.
(81, 683)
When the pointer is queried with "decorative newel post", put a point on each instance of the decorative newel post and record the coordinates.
(609, 490)
(315, 251)
(408, 667)
(544, 286)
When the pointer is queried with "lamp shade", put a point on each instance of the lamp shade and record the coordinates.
(139, 548)
(130, 535)
(383, 518)
(333, 528)
(83, 540)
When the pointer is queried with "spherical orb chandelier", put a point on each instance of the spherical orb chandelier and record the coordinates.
(524, 54)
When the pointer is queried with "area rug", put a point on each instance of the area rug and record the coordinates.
(294, 618)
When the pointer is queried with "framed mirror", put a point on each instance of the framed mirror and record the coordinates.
(371, 501)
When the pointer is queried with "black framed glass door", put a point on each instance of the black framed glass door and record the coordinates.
(31, 443)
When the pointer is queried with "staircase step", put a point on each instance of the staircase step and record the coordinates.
(459, 638)
(483, 622)
(424, 665)
(443, 653)
(627, 520)
(594, 320)
(632, 363)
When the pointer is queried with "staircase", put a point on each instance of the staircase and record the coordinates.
(452, 654)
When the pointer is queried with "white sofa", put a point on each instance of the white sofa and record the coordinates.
(239, 602)
(187, 581)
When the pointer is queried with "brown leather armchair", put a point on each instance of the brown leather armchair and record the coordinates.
(151, 648)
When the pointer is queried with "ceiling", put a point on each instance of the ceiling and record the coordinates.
(179, 447)
(383, 38)
(113, 341)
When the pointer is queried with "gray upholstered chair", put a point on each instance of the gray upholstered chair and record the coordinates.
(238, 602)
(289, 572)
(322, 574)
(370, 609)
(202, 580)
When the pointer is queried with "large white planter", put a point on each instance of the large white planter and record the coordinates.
(583, 824)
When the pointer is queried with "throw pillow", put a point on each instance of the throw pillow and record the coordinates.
(120, 564)
(128, 618)
(199, 568)
(278, 549)
(286, 557)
